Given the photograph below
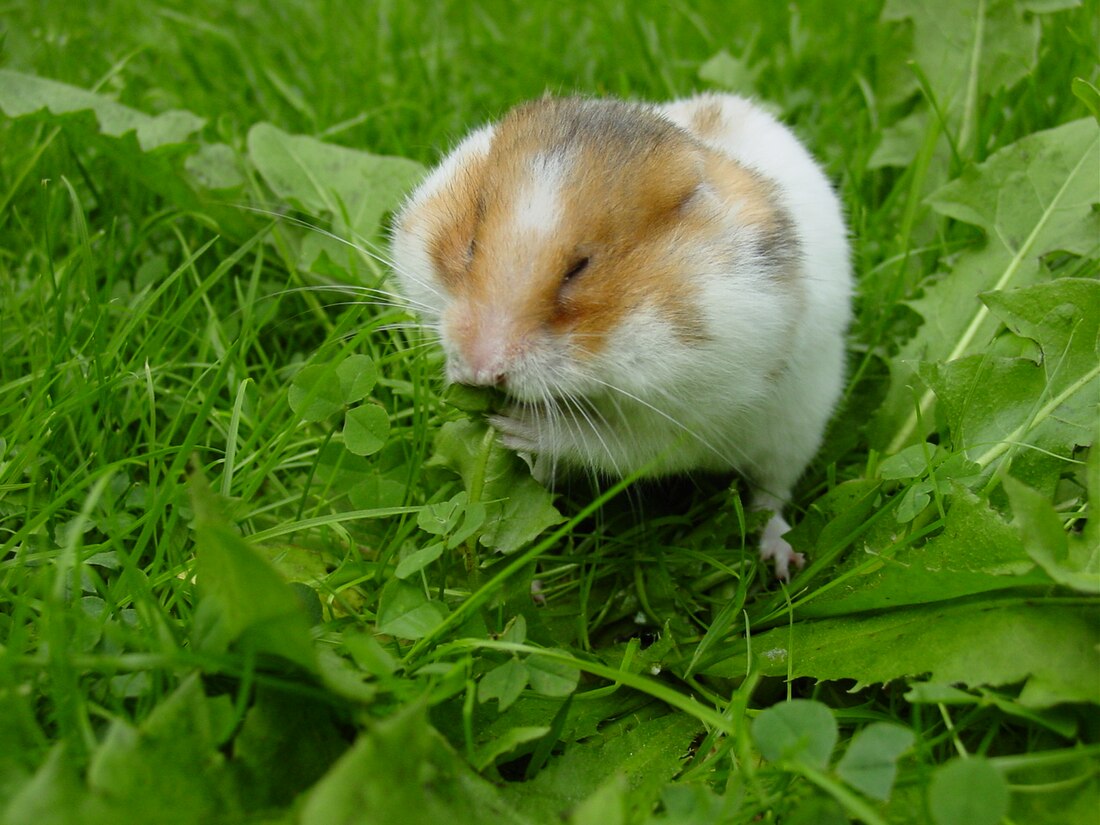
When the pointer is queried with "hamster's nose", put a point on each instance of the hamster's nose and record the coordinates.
(482, 347)
(486, 363)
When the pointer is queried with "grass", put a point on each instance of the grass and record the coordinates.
(152, 342)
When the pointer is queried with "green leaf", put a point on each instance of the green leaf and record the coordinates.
(252, 604)
(216, 167)
(551, 677)
(56, 795)
(501, 745)
(649, 754)
(1053, 650)
(169, 769)
(504, 683)
(517, 508)
(728, 72)
(286, 743)
(994, 406)
(357, 375)
(607, 805)
(1031, 198)
(403, 771)
(977, 552)
(406, 612)
(22, 95)
(417, 560)
(1047, 542)
(471, 399)
(473, 518)
(442, 518)
(516, 630)
(315, 393)
(818, 810)
(968, 792)
(354, 188)
(912, 462)
(374, 490)
(870, 763)
(800, 730)
(962, 50)
(366, 428)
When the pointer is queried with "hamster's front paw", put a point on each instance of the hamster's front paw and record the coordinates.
(774, 547)
(518, 428)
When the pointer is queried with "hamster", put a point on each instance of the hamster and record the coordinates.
(657, 289)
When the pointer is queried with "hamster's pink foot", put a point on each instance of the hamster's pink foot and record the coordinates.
(776, 548)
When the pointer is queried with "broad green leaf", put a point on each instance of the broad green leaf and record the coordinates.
(354, 188)
(373, 490)
(977, 552)
(402, 771)
(504, 683)
(366, 428)
(357, 375)
(406, 612)
(22, 94)
(215, 166)
(1052, 651)
(506, 744)
(649, 754)
(965, 50)
(286, 743)
(517, 508)
(800, 730)
(870, 762)
(693, 803)
(56, 795)
(159, 151)
(369, 654)
(1031, 198)
(473, 517)
(551, 677)
(731, 73)
(818, 810)
(442, 518)
(315, 393)
(1068, 561)
(516, 631)
(968, 792)
(995, 406)
(912, 462)
(470, 399)
(606, 806)
(252, 604)
(417, 560)
(171, 760)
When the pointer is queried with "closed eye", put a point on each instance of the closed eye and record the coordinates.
(575, 270)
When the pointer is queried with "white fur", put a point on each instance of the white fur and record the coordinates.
(538, 209)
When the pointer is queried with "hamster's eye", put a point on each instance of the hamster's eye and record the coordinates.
(576, 269)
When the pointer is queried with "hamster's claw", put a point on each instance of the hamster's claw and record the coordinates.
(774, 547)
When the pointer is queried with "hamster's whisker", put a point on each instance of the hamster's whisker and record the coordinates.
(362, 246)
(676, 423)
(580, 407)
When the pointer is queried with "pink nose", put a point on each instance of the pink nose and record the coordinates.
(486, 361)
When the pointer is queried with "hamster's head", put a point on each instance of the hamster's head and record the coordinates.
(563, 248)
